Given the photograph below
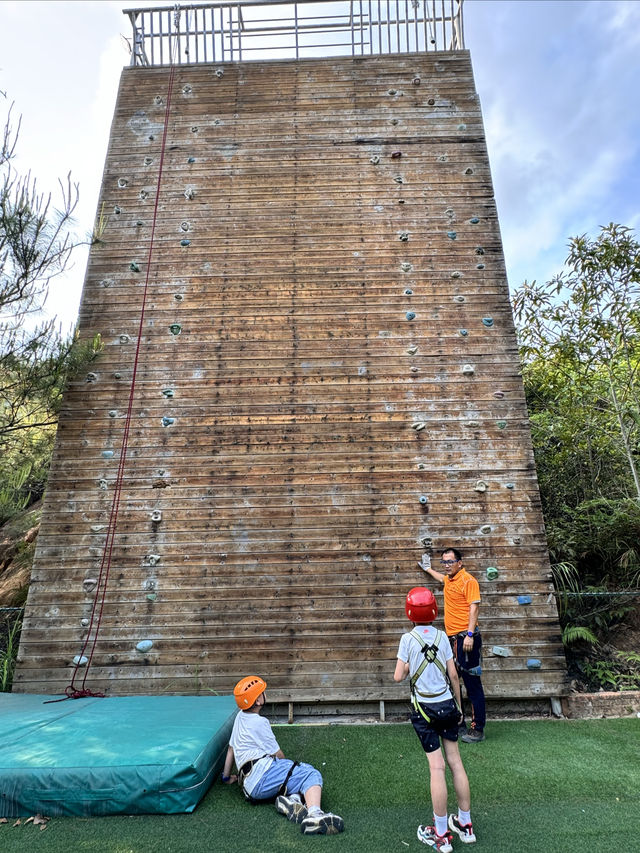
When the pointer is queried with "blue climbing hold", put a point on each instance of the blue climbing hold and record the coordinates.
(134, 267)
(410, 315)
(474, 220)
(464, 333)
(534, 663)
(487, 321)
(185, 242)
(144, 645)
(107, 454)
(408, 292)
(191, 160)
(167, 392)
(524, 599)
(424, 499)
(167, 421)
(451, 235)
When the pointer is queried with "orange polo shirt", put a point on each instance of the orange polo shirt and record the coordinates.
(459, 593)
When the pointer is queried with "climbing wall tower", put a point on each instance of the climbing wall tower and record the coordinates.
(309, 378)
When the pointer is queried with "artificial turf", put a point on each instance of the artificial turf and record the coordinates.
(549, 786)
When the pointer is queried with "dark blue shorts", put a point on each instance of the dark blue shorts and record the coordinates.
(443, 722)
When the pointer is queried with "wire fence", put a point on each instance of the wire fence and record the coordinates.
(278, 29)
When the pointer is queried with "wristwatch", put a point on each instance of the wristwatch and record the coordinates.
(469, 633)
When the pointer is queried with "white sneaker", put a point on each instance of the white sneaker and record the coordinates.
(465, 831)
(322, 823)
(291, 807)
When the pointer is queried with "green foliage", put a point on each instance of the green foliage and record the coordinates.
(619, 672)
(8, 656)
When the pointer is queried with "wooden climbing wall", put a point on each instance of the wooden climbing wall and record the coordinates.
(327, 386)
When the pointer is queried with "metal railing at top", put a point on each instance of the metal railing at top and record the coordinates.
(281, 29)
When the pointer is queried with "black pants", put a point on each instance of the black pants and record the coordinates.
(466, 661)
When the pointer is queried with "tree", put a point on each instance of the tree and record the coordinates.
(35, 357)
(585, 324)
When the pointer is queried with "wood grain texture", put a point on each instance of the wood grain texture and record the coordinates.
(335, 349)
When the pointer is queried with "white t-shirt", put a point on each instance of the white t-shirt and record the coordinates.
(252, 738)
(431, 680)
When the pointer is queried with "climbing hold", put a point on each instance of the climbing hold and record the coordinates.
(158, 101)
(424, 499)
(362, 371)
(91, 377)
(427, 541)
(156, 515)
(189, 193)
(510, 485)
(175, 328)
(524, 599)
(410, 315)
(468, 369)
(151, 560)
(408, 292)
(474, 220)
(152, 596)
(468, 171)
(418, 425)
(113, 413)
(487, 321)
(399, 179)
(124, 339)
(463, 332)
(480, 486)
(117, 211)
(501, 424)
(394, 121)
(485, 529)
(167, 392)
(374, 160)
(413, 349)
(442, 158)
(459, 298)
(178, 297)
(462, 127)
(516, 540)
(80, 660)
(148, 161)
(139, 222)
(451, 235)
(403, 236)
(456, 274)
(534, 663)
(194, 128)
(96, 528)
(219, 72)
(191, 159)
(107, 454)
(431, 102)
(122, 183)
(117, 375)
(150, 584)
(84, 622)
(498, 395)
(492, 573)
(421, 466)
(479, 250)
(185, 226)
(185, 242)
(396, 154)
(186, 89)
(89, 584)
(479, 266)
(406, 267)
(102, 485)
(167, 421)
(134, 267)
(392, 92)
(144, 645)
(473, 424)
(501, 651)
(143, 194)
(415, 370)
(416, 81)
(400, 201)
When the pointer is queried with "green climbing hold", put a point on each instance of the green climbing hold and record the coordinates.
(134, 267)
(175, 328)
(167, 392)
(492, 573)
(501, 424)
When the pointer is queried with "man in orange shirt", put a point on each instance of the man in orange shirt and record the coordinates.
(461, 606)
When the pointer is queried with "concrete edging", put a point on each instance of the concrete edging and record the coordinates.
(584, 706)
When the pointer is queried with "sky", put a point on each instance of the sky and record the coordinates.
(557, 81)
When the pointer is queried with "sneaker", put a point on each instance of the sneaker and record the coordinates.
(462, 730)
(291, 807)
(322, 823)
(428, 835)
(464, 831)
(473, 736)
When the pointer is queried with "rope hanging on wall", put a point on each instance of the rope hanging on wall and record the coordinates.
(73, 691)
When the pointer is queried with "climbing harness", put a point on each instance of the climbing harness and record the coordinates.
(430, 652)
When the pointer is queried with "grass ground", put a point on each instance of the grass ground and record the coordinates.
(549, 786)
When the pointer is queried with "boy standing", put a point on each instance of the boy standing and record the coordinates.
(425, 655)
(265, 774)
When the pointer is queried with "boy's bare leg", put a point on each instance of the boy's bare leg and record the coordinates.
(313, 796)
(460, 779)
(438, 782)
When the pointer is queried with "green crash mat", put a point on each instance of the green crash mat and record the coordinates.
(119, 755)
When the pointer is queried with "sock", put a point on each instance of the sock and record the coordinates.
(295, 798)
(314, 810)
(441, 824)
(464, 818)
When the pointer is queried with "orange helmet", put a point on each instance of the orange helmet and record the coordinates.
(247, 691)
(421, 606)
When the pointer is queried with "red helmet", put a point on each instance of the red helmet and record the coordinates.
(421, 606)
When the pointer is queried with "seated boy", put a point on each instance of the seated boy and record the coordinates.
(265, 774)
(425, 655)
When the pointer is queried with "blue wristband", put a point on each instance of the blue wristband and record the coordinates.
(469, 633)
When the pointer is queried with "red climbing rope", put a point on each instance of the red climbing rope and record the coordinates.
(73, 692)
